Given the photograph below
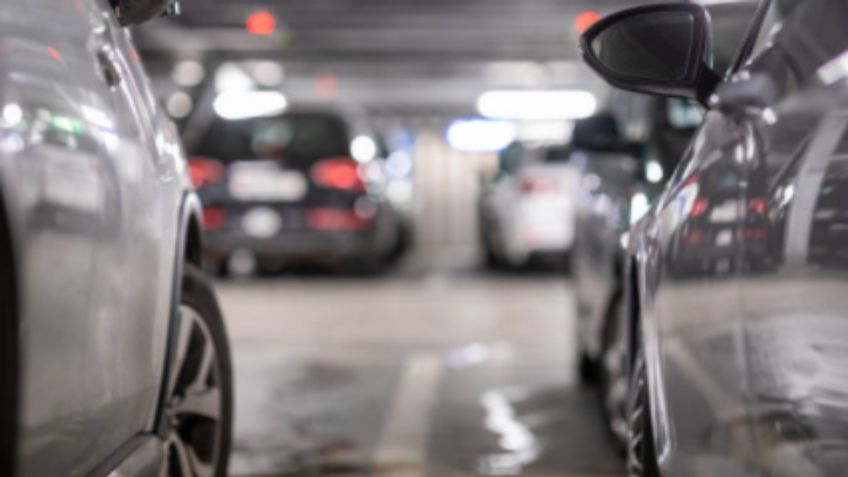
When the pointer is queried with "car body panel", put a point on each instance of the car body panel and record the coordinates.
(740, 269)
(93, 177)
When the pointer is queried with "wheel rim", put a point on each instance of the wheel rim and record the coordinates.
(194, 405)
(615, 390)
(636, 423)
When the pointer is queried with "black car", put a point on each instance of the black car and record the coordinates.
(285, 189)
(736, 306)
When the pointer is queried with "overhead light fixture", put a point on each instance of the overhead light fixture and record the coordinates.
(480, 135)
(537, 104)
(249, 104)
(261, 23)
(585, 20)
(188, 73)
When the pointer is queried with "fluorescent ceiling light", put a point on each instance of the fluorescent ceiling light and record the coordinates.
(538, 104)
(249, 104)
(480, 135)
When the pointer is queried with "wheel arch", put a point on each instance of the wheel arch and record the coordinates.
(9, 343)
(643, 334)
(189, 250)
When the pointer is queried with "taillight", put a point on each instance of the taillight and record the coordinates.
(214, 218)
(699, 207)
(337, 173)
(537, 186)
(335, 219)
(757, 206)
(205, 171)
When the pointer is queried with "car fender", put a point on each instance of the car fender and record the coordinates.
(189, 249)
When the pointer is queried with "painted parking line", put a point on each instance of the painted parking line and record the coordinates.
(402, 445)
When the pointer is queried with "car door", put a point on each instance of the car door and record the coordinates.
(90, 372)
(795, 230)
(691, 309)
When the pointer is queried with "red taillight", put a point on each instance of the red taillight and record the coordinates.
(693, 237)
(339, 173)
(335, 219)
(758, 206)
(537, 186)
(214, 218)
(205, 171)
(755, 233)
(699, 207)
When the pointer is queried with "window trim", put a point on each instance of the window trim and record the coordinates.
(750, 41)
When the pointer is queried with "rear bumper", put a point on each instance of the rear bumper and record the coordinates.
(295, 246)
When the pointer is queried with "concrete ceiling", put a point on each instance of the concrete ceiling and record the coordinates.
(389, 54)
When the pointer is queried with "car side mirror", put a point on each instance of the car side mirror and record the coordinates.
(661, 49)
(134, 12)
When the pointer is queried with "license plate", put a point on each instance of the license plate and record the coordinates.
(265, 181)
(261, 222)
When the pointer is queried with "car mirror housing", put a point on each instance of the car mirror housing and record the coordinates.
(134, 12)
(657, 49)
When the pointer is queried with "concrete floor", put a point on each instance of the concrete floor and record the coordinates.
(437, 369)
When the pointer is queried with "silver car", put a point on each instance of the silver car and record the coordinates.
(113, 354)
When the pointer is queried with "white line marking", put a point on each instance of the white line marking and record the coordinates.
(402, 444)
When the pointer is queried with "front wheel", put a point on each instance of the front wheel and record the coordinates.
(198, 406)
(641, 456)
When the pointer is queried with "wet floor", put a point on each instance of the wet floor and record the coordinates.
(438, 369)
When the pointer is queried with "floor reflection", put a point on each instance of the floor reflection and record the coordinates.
(425, 372)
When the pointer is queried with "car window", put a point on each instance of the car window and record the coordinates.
(295, 137)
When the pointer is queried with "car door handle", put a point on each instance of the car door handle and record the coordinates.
(107, 67)
(744, 92)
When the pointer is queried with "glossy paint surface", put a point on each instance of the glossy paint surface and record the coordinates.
(741, 266)
(92, 176)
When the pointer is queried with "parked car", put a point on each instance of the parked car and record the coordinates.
(114, 357)
(285, 189)
(611, 172)
(735, 313)
(618, 180)
(526, 210)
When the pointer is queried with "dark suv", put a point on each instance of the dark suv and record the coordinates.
(285, 189)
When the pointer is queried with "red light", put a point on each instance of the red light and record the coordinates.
(585, 20)
(214, 218)
(340, 173)
(757, 206)
(755, 234)
(335, 219)
(327, 86)
(261, 23)
(205, 171)
(537, 186)
(693, 237)
(699, 207)
(54, 53)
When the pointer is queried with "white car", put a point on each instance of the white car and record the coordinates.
(527, 209)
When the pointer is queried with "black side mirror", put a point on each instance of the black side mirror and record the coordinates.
(658, 49)
(133, 12)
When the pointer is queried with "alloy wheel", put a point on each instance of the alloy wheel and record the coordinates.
(636, 430)
(194, 404)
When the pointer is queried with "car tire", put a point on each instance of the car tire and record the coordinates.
(198, 405)
(641, 455)
(612, 370)
(587, 369)
(9, 357)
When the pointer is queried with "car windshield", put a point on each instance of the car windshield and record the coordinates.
(293, 137)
